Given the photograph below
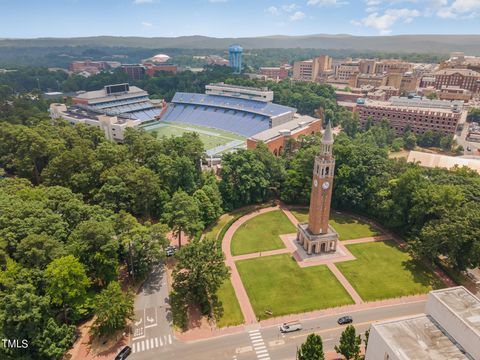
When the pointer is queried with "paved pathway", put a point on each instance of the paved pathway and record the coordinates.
(343, 280)
(240, 292)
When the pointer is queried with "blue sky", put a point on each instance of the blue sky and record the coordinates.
(236, 18)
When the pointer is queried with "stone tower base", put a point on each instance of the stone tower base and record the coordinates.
(317, 243)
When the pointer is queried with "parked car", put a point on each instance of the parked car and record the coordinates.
(290, 326)
(124, 353)
(345, 320)
(170, 251)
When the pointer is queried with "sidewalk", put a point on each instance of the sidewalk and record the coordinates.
(240, 292)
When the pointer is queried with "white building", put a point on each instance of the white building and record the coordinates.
(113, 126)
(449, 330)
(241, 92)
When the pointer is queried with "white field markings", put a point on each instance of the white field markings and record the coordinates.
(151, 343)
(259, 345)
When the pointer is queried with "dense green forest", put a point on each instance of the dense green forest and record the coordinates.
(62, 56)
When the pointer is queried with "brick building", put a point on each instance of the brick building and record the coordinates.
(419, 114)
(275, 73)
(463, 78)
(276, 138)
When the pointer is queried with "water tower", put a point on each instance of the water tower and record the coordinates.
(236, 58)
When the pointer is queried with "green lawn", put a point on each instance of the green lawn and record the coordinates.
(382, 270)
(347, 227)
(261, 233)
(278, 284)
(232, 314)
(210, 137)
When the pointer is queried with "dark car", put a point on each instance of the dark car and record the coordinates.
(170, 251)
(127, 350)
(345, 320)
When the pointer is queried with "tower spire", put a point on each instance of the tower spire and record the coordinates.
(327, 137)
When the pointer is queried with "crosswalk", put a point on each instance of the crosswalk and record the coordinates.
(259, 345)
(152, 343)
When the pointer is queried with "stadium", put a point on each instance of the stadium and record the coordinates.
(224, 117)
(122, 100)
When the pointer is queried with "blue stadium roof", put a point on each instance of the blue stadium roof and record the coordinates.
(225, 102)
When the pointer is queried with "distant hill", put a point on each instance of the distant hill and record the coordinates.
(438, 44)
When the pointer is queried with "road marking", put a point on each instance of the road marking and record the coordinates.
(170, 339)
(259, 345)
(134, 345)
(156, 342)
(277, 343)
(161, 342)
(143, 345)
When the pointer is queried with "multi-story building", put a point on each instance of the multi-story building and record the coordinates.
(277, 138)
(120, 99)
(347, 70)
(274, 73)
(463, 78)
(449, 330)
(418, 114)
(313, 69)
(304, 70)
(392, 66)
(375, 80)
(92, 67)
(134, 71)
(113, 126)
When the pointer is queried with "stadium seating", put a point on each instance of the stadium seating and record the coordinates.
(241, 116)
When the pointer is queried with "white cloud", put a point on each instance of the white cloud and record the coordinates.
(297, 15)
(146, 24)
(384, 22)
(460, 9)
(326, 2)
(140, 2)
(272, 10)
(289, 7)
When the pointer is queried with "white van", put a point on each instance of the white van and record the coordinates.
(290, 326)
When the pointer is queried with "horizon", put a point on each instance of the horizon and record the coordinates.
(243, 37)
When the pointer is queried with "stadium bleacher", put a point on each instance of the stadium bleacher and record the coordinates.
(240, 116)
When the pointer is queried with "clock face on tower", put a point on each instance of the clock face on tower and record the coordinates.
(315, 183)
(325, 185)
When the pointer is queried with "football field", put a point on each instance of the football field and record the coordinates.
(215, 141)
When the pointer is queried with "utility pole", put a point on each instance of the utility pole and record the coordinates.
(132, 270)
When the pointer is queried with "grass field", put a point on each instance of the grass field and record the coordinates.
(232, 314)
(278, 284)
(210, 137)
(347, 227)
(261, 233)
(382, 270)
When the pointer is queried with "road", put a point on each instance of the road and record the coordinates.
(152, 323)
(268, 343)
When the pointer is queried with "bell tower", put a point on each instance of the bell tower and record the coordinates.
(321, 195)
(317, 236)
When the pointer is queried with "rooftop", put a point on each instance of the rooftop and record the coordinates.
(463, 304)
(298, 123)
(442, 161)
(100, 94)
(465, 72)
(419, 338)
